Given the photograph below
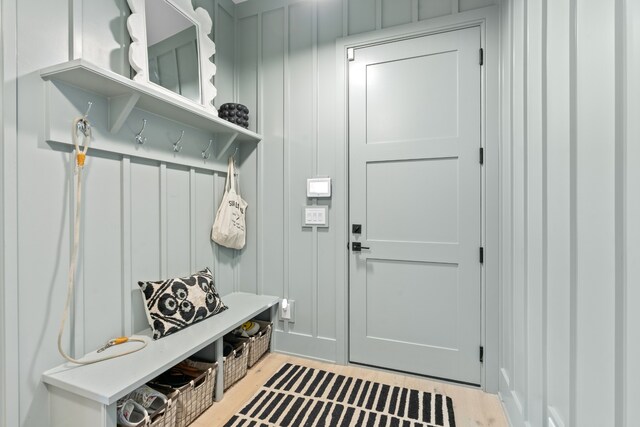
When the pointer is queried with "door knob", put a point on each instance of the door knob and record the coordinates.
(357, 247)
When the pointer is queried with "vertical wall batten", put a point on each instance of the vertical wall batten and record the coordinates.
(525, 52)
(260, 209)
(506, 207)
(345, 18)
(164, 246)
(11, 386)
(512, 244)
(315, 162)
(536, 204)
(286, 153)
(127, 282)
(620, 220)
(192, 220)
(631, 347)
(75, 29)
(573, 42)
(544, 404)
(216, 248)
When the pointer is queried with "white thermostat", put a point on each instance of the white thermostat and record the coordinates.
(319, 187)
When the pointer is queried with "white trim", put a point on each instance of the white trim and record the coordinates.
(487, 18)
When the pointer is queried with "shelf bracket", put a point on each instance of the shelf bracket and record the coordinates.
(119, 109)
(227, 144)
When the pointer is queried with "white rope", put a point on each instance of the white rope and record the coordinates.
(80, 157)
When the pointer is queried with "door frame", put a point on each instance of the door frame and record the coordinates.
(487, 20)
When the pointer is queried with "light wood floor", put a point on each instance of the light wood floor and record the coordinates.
(472, 406)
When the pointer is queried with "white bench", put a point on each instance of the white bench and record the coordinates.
(86, 395)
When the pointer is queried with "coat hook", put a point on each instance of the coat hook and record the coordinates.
(234, 162)
(83, 125)
(139, 139)
(205, 153)
(88, 109)
(175, 144)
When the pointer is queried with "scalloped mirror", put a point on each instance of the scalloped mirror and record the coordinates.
(171, 50)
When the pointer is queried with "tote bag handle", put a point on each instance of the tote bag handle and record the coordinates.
(230, 182)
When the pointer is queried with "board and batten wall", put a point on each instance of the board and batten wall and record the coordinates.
(286, 75)
(142, 219)
(570, 205)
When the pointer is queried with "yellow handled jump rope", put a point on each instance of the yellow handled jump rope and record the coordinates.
(81, 155)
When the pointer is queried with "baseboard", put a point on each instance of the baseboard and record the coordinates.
(510, 403)
(317, 348)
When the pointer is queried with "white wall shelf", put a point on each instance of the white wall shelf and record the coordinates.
(91, 391)
(121, 96)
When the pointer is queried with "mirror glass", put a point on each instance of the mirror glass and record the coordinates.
(172, 48)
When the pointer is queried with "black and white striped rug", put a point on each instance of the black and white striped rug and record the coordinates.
(299, 396)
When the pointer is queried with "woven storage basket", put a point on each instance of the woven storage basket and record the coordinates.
(203, 366)
(259, 344)
(195, 397)
(235, 364)
(168, 416)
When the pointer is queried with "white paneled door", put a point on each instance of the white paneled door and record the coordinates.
(415, 203)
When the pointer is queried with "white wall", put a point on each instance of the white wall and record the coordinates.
(142, 219)
(287, 77)
(569, 137)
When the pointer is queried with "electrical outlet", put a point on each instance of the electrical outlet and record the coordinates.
(287, 310)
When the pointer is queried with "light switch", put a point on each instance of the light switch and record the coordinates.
(315, 216)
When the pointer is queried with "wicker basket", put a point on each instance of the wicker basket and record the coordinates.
(235, 364)
(195, 397)
(259, 344)
(167, 415)
(203, 366)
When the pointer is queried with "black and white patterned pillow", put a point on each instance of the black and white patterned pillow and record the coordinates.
(174, 304)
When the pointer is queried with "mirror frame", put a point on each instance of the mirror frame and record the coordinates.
(139, 58)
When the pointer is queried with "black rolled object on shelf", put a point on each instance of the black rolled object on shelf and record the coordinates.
(235, 113)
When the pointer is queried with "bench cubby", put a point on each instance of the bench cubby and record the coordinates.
(82, 395)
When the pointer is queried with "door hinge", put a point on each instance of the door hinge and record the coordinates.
(481, 156)
(481, 354)
(347, 245)
(351, 54)
(481, 255)
(481, 56)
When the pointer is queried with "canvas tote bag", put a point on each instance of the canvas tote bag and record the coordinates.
(229, 226)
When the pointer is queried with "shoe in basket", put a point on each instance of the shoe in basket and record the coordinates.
(131, 413)
(152, 400)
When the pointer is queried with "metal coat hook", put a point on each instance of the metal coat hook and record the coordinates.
(175, 144)
(139, 139)
(83, 125)
(86, 114)
(205, 152)
(233, 156)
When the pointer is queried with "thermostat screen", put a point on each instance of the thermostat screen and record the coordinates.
(319, 187)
